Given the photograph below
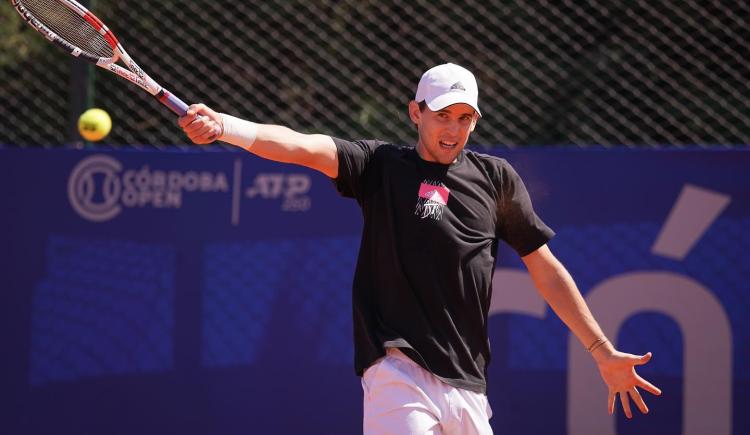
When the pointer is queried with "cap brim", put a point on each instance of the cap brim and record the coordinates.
(450, 98)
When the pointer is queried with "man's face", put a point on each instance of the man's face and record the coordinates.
(444, 133)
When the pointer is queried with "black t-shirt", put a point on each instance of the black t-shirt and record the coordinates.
(423, 280)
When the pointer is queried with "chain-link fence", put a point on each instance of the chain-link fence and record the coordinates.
(634, 72)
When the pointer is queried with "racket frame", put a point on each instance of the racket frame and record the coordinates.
(133, 73)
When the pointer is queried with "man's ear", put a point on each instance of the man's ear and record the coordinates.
(414, 113)
(474, 123)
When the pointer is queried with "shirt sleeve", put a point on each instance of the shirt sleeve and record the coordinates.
(355, 163)
(518, 224)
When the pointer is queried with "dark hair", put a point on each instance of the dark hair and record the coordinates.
(422, 104)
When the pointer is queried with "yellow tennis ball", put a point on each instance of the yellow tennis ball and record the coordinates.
(94, 124)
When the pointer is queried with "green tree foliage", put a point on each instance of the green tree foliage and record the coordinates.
(18, 42)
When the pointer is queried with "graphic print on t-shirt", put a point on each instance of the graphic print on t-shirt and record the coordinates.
(433, 197)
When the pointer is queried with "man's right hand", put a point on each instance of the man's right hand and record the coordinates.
(201, 124)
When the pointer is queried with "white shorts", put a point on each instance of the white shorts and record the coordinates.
(402, 398)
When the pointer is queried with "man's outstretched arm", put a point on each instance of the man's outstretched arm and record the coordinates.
(316, 151)
(617, 368)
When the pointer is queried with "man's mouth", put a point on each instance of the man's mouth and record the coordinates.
(447, 145)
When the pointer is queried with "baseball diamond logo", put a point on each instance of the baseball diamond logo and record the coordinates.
(82, 188)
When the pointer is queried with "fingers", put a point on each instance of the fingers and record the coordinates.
(202, 132)
(191, 114)
(625, 398)
(202, 109)
(646, 385)
(200, 124)
(641, 360)
(625, 404)
(636, 397)
(201, 127)
(208, 135)
(184, 121)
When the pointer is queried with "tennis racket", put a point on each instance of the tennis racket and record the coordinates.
(79, 32)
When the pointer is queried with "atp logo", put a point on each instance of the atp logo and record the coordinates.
(292, 189)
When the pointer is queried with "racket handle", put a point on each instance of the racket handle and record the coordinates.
(172, 102)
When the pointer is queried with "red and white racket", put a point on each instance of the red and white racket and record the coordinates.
(79, 32)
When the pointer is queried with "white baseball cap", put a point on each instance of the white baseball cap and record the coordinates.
(447, 84)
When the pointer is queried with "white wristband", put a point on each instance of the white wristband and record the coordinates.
(238, 131)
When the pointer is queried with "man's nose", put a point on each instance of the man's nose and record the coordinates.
(454, 127)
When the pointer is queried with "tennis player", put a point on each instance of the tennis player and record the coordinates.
(433, 215)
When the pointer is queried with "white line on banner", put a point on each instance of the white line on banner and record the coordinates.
(236, 192)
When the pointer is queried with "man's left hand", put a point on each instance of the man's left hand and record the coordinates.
(618, 371)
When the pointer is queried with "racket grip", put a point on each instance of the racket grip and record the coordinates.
(174, 104)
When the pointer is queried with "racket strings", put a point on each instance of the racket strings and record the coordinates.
(69, 26)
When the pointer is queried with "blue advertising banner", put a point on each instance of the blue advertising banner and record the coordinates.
(209, 291)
